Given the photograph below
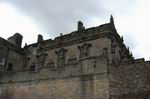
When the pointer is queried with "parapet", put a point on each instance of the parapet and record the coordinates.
(139, 60)
(79, 35)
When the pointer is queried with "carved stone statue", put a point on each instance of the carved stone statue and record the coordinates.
(25, 61)
(115, 53)
(40, 38)
(113, 46)
(61, 57)
(80, 26)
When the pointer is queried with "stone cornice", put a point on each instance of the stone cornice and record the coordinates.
(107, 34)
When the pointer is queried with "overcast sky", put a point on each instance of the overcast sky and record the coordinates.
(52, 17)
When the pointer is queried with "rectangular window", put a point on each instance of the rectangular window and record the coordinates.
(10, 67)
(72, 61)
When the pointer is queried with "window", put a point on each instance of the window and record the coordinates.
(84, 50)
(72, 61)
(10, 67)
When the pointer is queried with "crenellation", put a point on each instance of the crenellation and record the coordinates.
(77, 35)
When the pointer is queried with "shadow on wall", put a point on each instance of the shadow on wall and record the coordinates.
(6, 94)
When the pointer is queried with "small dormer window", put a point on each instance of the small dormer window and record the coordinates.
(61, 57)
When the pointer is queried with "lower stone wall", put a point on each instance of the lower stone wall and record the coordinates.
(130, 81)
(81, 87)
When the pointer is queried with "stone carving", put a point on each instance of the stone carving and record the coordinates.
(61, 38)
(61, 57)
(40, 38)
(115, 53)
(113, 46)
(84, 50)
(126, 56)
(26, 61)
(80, 26)
(26, 44)
(111, 19)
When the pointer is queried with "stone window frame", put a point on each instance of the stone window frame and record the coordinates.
(42, 59)
(51, 65)
(84, 50)
(74, 59)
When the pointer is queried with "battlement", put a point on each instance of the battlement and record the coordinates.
(78, 36)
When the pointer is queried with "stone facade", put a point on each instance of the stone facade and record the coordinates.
(91, 63)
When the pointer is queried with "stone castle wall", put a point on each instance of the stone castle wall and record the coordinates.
(131, 81)
(67, 67)
(84, 78)
(79, 87)
(89, 63)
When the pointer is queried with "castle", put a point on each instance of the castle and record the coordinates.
(91, 63)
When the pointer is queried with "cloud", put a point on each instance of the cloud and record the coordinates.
(11, 22)
(56, 16)
(53, 17)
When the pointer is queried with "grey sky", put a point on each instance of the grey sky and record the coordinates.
(53, 17)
